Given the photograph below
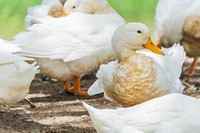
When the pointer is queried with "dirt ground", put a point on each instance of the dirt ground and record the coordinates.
(59, 112)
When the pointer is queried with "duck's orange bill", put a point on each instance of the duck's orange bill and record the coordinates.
(64, 14)
(151, 46)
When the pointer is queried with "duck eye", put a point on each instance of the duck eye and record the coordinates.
(139, 31)
(74, 7)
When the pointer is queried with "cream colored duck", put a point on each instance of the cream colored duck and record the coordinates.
(69, 47)
(172, 113)
(179, 21)
(52, 8)
(142, 71)
(15, 74)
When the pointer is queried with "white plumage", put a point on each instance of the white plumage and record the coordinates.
(79, 42)
(172, 113)
(16, 75)
(170, 17)
(75, 45)
(178, 22)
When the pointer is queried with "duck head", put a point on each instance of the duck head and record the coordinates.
(131, 37)
(87, 6)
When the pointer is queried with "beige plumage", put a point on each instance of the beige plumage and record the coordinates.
(191, 36)
(139, 74)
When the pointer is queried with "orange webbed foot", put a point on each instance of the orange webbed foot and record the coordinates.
(76, 90)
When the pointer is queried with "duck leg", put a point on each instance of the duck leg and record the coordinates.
(67, 87)
(77, 89)
(191, 70)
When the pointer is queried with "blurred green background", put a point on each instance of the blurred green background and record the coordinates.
(13, 12)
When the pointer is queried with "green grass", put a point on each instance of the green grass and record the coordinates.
(13, 12)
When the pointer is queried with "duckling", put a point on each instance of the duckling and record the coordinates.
(142, 71)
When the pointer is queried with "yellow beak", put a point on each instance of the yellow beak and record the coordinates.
(64, 14)
(151, 46)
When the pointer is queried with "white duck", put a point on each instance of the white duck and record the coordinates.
(52, 8)
(16, 74)
(139, 74)
(172, 113)
(179, 21)
(69, 47)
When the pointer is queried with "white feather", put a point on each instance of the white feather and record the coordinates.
(95, 89)
(16, 75)
(77, 38)
(170, 17)
(174, 113)
(105, 72)
(168, 67)
(39, 11)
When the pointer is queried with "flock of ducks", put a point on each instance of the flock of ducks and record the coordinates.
(67, 39)
(75, 48)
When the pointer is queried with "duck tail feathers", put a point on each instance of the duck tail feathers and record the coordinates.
(89, 108)
(95, 89)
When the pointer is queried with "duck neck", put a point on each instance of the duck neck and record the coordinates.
(125, 53)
